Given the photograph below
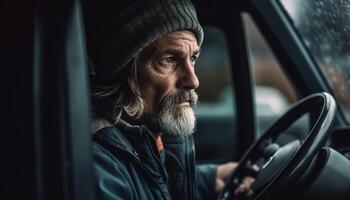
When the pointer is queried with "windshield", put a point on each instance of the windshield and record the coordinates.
(324, 26)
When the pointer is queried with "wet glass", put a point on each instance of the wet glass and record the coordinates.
(324, 26)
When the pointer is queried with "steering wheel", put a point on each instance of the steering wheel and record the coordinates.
(279, 167)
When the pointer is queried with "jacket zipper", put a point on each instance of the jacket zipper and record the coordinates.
(163, 190)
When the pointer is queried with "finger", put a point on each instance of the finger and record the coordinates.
(245, 187)
(247, 184)
(248, 181)
(241, 189)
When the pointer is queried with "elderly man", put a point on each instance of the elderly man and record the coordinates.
(143, 83)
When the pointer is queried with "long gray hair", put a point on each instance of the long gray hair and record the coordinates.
(121, 95)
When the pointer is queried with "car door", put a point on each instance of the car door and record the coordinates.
(243, 89)
(45, 145)
(241, 24)
(312, 61)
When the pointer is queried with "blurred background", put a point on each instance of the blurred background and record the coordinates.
(216, 111)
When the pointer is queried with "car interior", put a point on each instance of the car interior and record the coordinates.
(274, 96)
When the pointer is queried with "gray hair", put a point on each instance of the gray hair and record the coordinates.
(123, 95)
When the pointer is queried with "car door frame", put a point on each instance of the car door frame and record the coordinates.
(46, 142)
(228, 20)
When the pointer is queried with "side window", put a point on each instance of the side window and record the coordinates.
(331, 49)
(274, 93)
(216, 124)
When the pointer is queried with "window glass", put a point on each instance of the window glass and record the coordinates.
(215, 137)
(213, 71)
(274, 93)
(324, 26)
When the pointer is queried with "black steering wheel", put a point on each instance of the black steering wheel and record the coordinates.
(280, 166)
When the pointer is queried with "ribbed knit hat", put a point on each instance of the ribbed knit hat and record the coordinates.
(117, 30)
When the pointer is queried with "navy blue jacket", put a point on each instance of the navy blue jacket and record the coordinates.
(128, 165)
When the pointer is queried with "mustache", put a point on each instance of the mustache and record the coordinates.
(170, 101)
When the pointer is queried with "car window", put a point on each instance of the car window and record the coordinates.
(325, 30)
(213, 71)
(216, 125)
(274, 93)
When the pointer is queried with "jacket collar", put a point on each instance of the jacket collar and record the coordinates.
(104, 132)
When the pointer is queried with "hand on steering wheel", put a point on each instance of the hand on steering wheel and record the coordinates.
(281, 166)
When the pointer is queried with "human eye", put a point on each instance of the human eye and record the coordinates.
(193, 59)
(168, 62)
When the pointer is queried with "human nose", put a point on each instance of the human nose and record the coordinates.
(189, 79)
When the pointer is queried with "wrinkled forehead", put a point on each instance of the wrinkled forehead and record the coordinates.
(178, 42)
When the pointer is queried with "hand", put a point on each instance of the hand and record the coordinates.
(244, 189)
(224, 172)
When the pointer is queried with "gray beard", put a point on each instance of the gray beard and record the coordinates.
(174, 119)
(179, 126)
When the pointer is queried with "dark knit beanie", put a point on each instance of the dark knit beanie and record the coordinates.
(117, 30)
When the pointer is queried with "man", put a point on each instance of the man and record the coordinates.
(143, 85)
